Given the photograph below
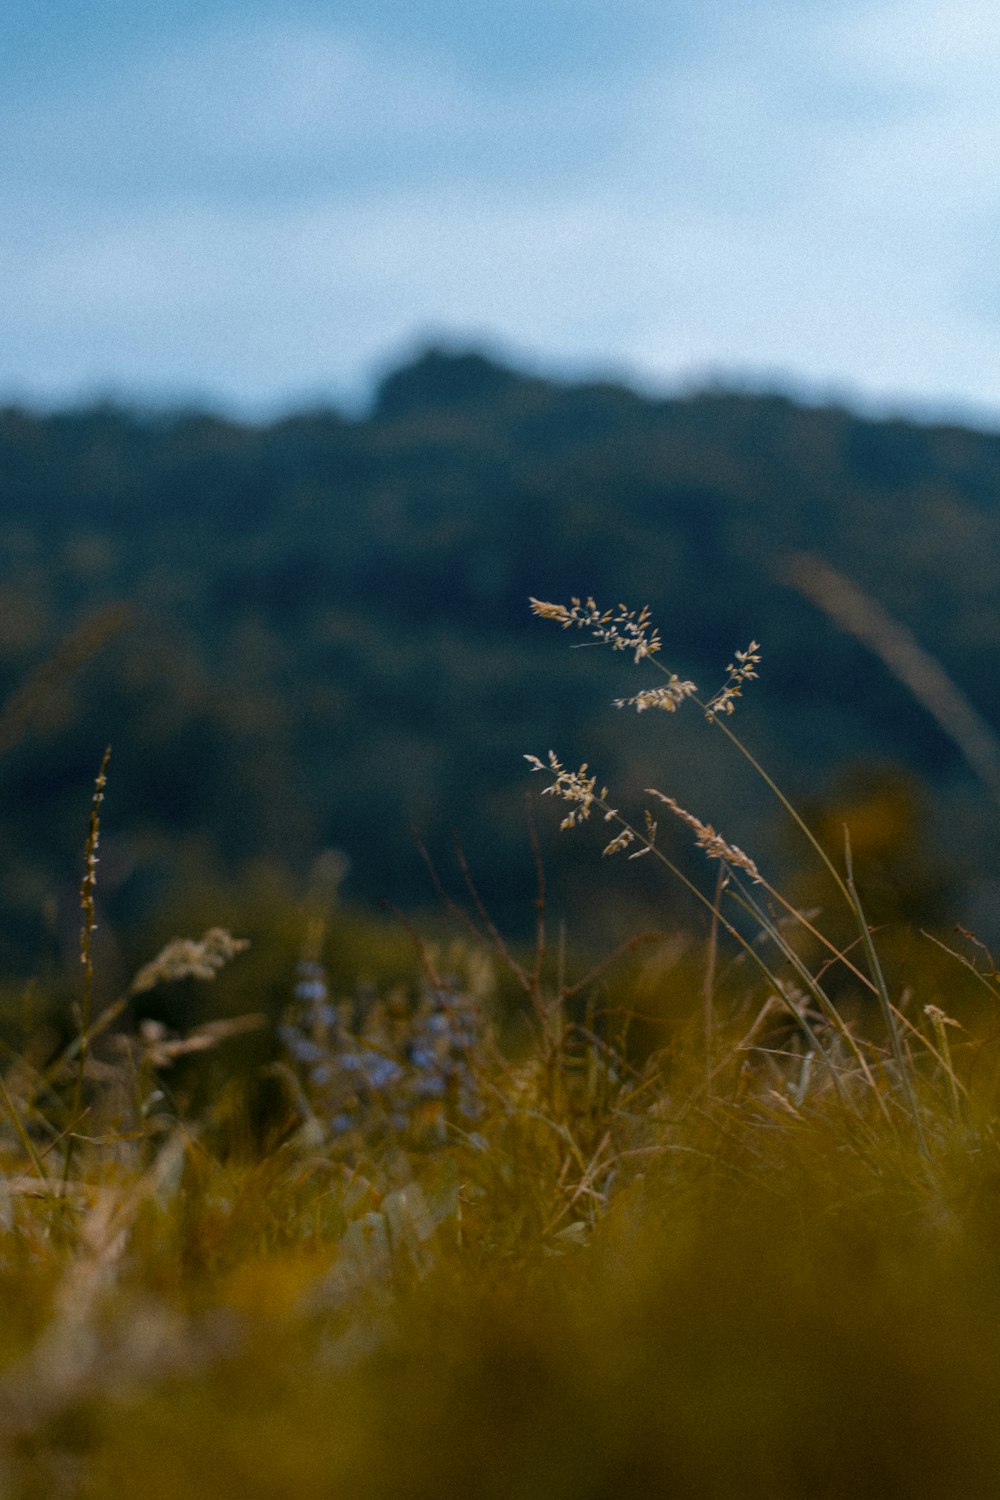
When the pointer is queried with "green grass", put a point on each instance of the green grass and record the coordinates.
(714, 1220)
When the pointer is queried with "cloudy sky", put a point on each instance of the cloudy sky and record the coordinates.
(259, 203)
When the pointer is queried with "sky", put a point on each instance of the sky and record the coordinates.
(258, 205)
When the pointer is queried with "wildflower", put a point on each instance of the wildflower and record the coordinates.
(714, 845)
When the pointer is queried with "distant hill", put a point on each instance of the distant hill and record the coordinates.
(328, 641)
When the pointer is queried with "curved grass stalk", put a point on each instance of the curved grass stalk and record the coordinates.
(812, 984)
(632, 631)
(888, 1009)
(628, 630)
(633, 835)
(772, 786)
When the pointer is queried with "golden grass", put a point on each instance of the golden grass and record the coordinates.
(699, 1224)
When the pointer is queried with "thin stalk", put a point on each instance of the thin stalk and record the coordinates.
(612, 815)
(838, 953)
(708, 984)
(812, 984)
(22, 1134)
(888, 1010)
(86, 943)
(940, 1023)
(789, 807)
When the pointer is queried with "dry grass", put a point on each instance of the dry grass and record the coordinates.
(737, 1242)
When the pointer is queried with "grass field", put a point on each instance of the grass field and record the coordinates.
(716, 1219)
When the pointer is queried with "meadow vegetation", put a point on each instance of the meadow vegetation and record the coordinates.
(711, 1217)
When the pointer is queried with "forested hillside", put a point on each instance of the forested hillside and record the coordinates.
(314, 634)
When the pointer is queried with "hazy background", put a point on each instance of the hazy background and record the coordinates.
(255, 204)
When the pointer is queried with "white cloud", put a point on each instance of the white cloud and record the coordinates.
(271, 210)
(933, 45)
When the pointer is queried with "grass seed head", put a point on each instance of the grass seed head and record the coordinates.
(714, 845)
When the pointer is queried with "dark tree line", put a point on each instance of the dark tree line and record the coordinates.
(315, 633)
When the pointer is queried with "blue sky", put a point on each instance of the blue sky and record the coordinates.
(260, 204)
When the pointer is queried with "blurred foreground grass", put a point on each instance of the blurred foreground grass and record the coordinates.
(560, 1271)
(716, 1219)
